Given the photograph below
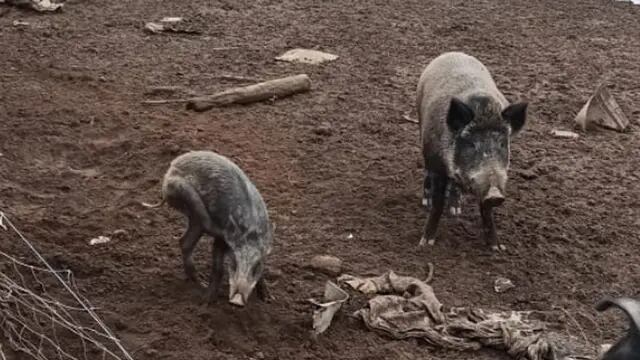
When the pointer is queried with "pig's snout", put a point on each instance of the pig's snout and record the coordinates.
(240, 291)
(238, 300)
(494, 197)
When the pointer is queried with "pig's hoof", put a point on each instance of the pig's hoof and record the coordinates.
(498, 248)
(455, 210)
(423, 242)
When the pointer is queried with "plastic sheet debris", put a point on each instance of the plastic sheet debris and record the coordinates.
(333, 299)
(602, 110)
(306, 56)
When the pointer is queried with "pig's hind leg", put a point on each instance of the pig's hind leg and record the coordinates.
(187, 245)
(181, 196)
(438, 195)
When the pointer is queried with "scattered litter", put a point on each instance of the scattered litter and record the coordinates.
(37, 5)
(408, 118)
(502, 284)
(350, 236)
(20, 23)
(564, 134)
(327, 264)
(325, 310)
(171, 24)
(2, 225)
(154, 27)
(410, 309)
(306, 56)
(174, 19)
(99, 240)
(602, 110)
(89, 173)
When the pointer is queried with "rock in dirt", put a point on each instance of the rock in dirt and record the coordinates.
(99, 240)
(306, 56)
(502, 284)
(121, 234)
(324, 129)
(602, 110)
(171, 24)
(327, 264)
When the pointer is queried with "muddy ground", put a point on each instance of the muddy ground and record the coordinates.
(79, 151)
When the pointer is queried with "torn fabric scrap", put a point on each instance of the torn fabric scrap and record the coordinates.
(408, 308)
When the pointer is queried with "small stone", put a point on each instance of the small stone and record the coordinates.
(151, 352)
(273, 274)
(324, 129)
(326, 264)
(121, 233)
(502, 284)
(528, 174)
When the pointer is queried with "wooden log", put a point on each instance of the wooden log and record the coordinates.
(272, 89)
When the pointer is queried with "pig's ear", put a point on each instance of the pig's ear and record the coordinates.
(516, 116)
(459, 115)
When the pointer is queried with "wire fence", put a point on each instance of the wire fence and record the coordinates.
(42, 313)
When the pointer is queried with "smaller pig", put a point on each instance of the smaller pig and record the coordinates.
(627, 348)
(466, 126)
(218, 199)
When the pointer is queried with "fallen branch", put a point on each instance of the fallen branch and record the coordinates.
(272, 89)
(166, 101)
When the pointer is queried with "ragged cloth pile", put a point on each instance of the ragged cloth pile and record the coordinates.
(417, 313)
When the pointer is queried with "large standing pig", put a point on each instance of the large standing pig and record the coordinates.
(628, 347)
(465, 125)
(218, 199)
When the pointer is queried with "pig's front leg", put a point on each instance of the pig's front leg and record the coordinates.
(454, 198)
(489, 228)
(426, 190)
(217, 269)
(263, 290)
(439, 188)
